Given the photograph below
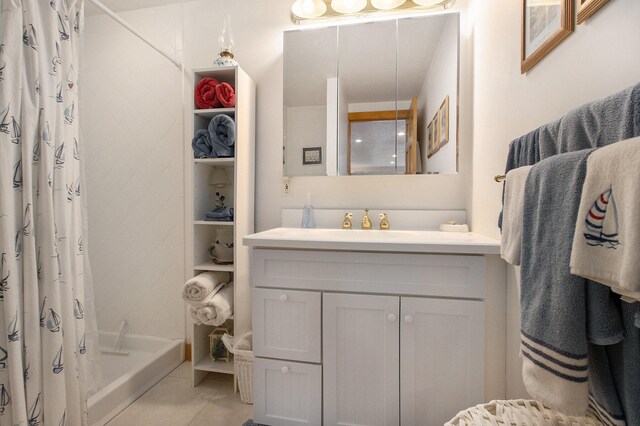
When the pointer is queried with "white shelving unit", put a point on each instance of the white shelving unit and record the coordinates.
(239, 194)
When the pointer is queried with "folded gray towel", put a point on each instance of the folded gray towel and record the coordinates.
(201, 144)
(557, 307)
(222, 130)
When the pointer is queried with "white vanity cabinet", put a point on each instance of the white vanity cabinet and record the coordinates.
(374, 337)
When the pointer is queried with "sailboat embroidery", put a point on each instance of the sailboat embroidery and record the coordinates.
(56, 60)
(57, 363)
(68, 113)
(17, 175)
(70, 81)
(62, 29)
(78, 309)
(53, 321)
(602, 221)
(77, 188)
(80, 247)
(36, 153)
(25, 373)
(34, 412)
(13, 333)
(39, 262)
(83, 345)
(37, 85)
(18, 245)
(4, 279)
(5, 399)
(76, 150)
(76, 23)
(42, 314)
(29, 36)
(4, 124)
(26, 229)
(15, 131)
(63, 420)
(69, 193)
(46, 134)
(3, 358)
(60, 156)
(59, 97)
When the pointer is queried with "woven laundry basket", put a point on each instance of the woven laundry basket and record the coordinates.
(243, 370)
(517, 412)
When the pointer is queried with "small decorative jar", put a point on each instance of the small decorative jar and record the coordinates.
(217, 350)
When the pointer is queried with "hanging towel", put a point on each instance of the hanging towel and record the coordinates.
(205, 95)
(555, 305)
(202, 145)
(226, 95)
(218, 308)
(193, 313)
(606, 243)
(511, 239)
(596, 124)
(222, 130)
(199, 288)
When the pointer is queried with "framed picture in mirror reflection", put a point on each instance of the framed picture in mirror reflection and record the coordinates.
(443, 123)
(432, 137)
(312, 155)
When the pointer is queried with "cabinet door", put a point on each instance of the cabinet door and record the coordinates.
(287, 393)
(360, 359)
(286, 324)
(442, 358)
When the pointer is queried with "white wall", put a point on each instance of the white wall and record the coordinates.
(305, 129)
(131, 112)
(441, 81)
(600, 58)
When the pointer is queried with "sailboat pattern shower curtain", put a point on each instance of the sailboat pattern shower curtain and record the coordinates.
(42, 326)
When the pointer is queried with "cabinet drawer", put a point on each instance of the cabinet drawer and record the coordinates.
(287, 393)
(286, 324)
(440, 275)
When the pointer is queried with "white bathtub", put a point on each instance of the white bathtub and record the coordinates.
(125, 378)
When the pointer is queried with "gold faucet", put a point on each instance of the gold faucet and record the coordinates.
(384, 221)
(346, 222)
(366, 223)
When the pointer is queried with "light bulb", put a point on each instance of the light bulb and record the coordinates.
(386, 4)
(308, 8)
(358, 140)
(427, 3)
(348, 6)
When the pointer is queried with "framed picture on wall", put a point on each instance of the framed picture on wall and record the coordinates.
(586, 8)
(443, 123)
(545, 23)
(432, 137)
(312, 155)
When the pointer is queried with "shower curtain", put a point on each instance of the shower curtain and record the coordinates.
(42, 308)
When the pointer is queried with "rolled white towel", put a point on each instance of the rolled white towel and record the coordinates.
(200, 287)
(222, 305)
(193, 313)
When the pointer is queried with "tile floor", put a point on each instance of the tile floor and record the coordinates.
(174, 402)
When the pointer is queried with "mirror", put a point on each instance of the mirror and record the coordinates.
(373, 98)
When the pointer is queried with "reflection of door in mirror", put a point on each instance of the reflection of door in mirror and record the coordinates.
(383, 142)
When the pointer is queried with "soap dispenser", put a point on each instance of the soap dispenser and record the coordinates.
(307, 215)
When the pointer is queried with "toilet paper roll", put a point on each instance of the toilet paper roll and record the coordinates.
(447, 227)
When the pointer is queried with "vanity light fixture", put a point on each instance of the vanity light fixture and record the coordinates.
(312, 10)
(358, 140)
(309, 9)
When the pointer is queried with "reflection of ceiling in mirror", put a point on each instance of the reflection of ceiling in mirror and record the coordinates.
(377, 151)
(309, 62)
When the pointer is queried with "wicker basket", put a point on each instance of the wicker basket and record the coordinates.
(243, 371)
(518, 412)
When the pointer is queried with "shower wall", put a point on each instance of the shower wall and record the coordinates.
(132, 112)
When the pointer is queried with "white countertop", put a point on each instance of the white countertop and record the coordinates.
(374, 240)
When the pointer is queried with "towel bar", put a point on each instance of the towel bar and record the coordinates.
(499, 178)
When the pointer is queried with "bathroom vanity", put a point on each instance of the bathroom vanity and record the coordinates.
(375, 327)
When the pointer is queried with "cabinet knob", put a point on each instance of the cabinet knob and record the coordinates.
(284, 298)
(391, 317)
(284, 369)
(408, 318)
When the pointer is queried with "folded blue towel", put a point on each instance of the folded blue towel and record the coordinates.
(202, 145)
(222, 130)
(220, 214)
(561, 313)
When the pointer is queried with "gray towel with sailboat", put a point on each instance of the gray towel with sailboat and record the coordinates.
(222, 130)
(560, 313)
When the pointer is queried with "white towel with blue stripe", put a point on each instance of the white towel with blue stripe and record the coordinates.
(606, 243)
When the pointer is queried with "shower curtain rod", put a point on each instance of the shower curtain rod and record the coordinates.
(133, 31)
